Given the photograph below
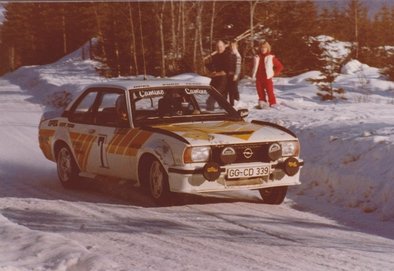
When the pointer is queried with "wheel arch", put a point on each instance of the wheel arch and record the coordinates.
(58, 144)
(142, 160)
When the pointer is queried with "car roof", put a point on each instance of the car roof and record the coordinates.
(130, 84)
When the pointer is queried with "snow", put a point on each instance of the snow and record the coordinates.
(347, 145)
(341, 217)
(334, 48)
(2, 10)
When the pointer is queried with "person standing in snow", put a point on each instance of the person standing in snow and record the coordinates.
(234, 73)
(219, 68)
(266, 66)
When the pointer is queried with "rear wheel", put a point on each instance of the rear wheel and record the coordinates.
(67, 168)
(273, 195)
(157, 182)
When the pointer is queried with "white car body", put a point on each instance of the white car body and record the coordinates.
(115, 153)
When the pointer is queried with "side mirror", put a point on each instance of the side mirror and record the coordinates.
(243, 112)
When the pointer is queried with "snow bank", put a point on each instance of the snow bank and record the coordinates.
(348, 145)
(354, 67)
(22, 249)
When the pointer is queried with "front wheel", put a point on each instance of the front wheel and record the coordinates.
(273, 195)
(158, 183)
(67, 168)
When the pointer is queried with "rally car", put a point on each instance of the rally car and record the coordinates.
(168, 136)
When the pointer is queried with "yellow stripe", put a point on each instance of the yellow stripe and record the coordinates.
(87, 151)
(114, 142)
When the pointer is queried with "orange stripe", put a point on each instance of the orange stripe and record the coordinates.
(131, 151)
(74, 135)
(46, 132)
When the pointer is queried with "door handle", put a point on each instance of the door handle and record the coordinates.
(91, 131)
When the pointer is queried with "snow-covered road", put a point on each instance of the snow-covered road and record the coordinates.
(44, 227)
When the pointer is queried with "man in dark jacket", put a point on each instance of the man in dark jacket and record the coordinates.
(219, 68)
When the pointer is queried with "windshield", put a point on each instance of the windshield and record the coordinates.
(179, 104)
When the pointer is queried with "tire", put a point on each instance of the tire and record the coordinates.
(273, 195)
(157, 183)
(67, 168)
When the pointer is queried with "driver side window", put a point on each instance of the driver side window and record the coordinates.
(83, 112)
(112, 110)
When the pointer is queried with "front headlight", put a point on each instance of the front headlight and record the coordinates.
(196, 154)
(290, 148)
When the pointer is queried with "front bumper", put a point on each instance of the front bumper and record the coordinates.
(191, 179)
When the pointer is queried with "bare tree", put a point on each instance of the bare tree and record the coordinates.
(197, 33)
(64, 31)
(142, 39)
(160, 19)
(212, 24)
(99, 29)
(133, 48)
(252, 5)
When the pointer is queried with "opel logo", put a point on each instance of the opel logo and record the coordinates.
(248, 153)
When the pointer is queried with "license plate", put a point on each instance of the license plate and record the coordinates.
(247, 172)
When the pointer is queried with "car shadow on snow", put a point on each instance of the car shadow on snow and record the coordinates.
(26, 181)
(214, 227)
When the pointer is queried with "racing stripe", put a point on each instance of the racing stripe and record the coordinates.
(79, 148)
(126, 140)
(87, 150)
(136, 143)
(119, 134)
(82, 144)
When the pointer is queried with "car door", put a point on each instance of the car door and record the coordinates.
(81, 128)
(114, 135)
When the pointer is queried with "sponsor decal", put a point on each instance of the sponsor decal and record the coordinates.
(53, 123)
(212, 169)
(150, 93)
(195, 91)
(292, 164)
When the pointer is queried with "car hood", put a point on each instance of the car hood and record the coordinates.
(227, 132)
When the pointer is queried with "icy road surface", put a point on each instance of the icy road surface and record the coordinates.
(44, 227)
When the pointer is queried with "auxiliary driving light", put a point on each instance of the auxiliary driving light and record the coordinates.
(291, 166)
(211, 171)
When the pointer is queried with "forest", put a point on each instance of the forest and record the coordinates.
(164, 38)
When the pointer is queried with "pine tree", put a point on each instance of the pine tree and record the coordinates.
(330, 65)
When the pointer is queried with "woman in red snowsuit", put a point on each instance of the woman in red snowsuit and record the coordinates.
(266, 66)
